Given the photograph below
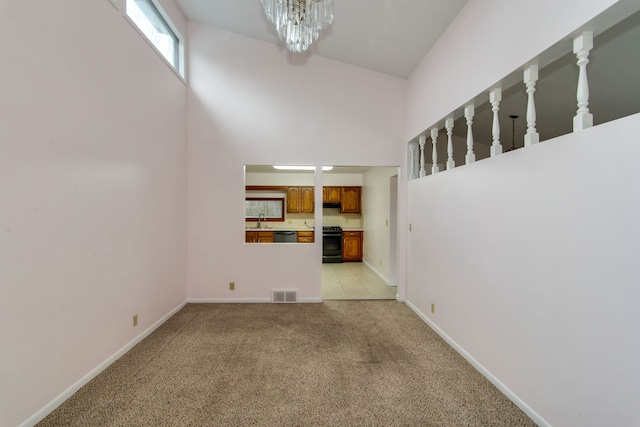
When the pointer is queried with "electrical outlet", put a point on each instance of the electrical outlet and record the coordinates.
(380, 263)
(232, 286)
(433, 308)
(135, 320)
(409, 226)
(387, 223)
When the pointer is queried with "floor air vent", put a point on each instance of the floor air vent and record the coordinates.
(282, 295)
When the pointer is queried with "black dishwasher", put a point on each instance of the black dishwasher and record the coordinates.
(284, 236)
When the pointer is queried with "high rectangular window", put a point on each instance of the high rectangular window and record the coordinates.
(153, 24)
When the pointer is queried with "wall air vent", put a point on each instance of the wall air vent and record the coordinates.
(284, 295)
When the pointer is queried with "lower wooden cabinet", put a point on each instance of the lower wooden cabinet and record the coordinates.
(268, 236)
(304, 237)
(352, 245)
(258, 236)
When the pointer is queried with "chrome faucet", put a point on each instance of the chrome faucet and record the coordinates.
(261, 218)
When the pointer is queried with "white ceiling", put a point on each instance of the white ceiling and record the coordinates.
(388, 36)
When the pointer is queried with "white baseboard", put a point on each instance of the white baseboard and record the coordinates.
(310, 300)
(488, 375)
(42, 413)
(244, 300)
(377, 273)
(228, 300)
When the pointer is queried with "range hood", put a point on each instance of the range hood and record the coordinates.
(331, 205)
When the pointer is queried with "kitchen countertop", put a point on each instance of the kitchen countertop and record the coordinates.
(295, 229)
(279, 229)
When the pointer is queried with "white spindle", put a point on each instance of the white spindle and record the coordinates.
(448, 124)
(434, 154)
(422, 141)
(469, 112)
(530, 79)
(495, 96)
(582, 44)
(412, 161)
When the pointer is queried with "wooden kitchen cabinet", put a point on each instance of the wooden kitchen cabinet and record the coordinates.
(258, 236)
(293, 199)
(307, 201)
(300, 200)
(350, 199)
(331, 194)
(304, 236)
(352, 245)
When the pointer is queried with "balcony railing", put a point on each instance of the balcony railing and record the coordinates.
(548, 97)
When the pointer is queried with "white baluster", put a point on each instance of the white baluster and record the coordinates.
(422, 141)
(530, 79)
(495, 96)
(434, 154)
(469, 112)
(448, 124)
(582, 44)
(412, 161)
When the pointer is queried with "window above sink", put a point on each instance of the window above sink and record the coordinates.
(264, 209)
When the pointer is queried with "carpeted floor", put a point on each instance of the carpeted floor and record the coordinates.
(339, 363)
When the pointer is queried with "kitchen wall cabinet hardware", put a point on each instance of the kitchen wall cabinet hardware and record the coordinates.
(305, 237)
(352, 245)
(350, 200)
(300, 199)
(331, 194)
(258, 236)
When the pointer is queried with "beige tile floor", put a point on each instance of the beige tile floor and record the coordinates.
(353, 280)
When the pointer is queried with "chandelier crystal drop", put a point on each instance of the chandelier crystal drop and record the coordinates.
(299, 22)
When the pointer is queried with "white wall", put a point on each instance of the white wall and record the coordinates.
(376, 207)
(528, 257)
(342, 179)
(249, 103)
(280, 179)
(92, 185)
(531, 261)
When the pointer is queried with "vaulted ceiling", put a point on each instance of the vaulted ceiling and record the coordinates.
(392, 37)
(388, 36)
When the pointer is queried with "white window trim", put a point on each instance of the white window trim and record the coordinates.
(181, 71)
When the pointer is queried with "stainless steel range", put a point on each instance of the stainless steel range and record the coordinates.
(331, 244)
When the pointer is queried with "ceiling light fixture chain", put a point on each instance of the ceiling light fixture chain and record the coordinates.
(299, 22)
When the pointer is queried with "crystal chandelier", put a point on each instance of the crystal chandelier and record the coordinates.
(299, 21)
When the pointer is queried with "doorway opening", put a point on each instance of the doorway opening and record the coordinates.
(361, 202)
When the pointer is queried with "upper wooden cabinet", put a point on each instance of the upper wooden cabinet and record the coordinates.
(300, 199)
(331, 194)
(293, 199)
(307, 200)
(350, 199)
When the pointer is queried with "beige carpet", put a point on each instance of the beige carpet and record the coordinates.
(339, 363)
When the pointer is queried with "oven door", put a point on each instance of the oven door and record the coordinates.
(331, 246)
